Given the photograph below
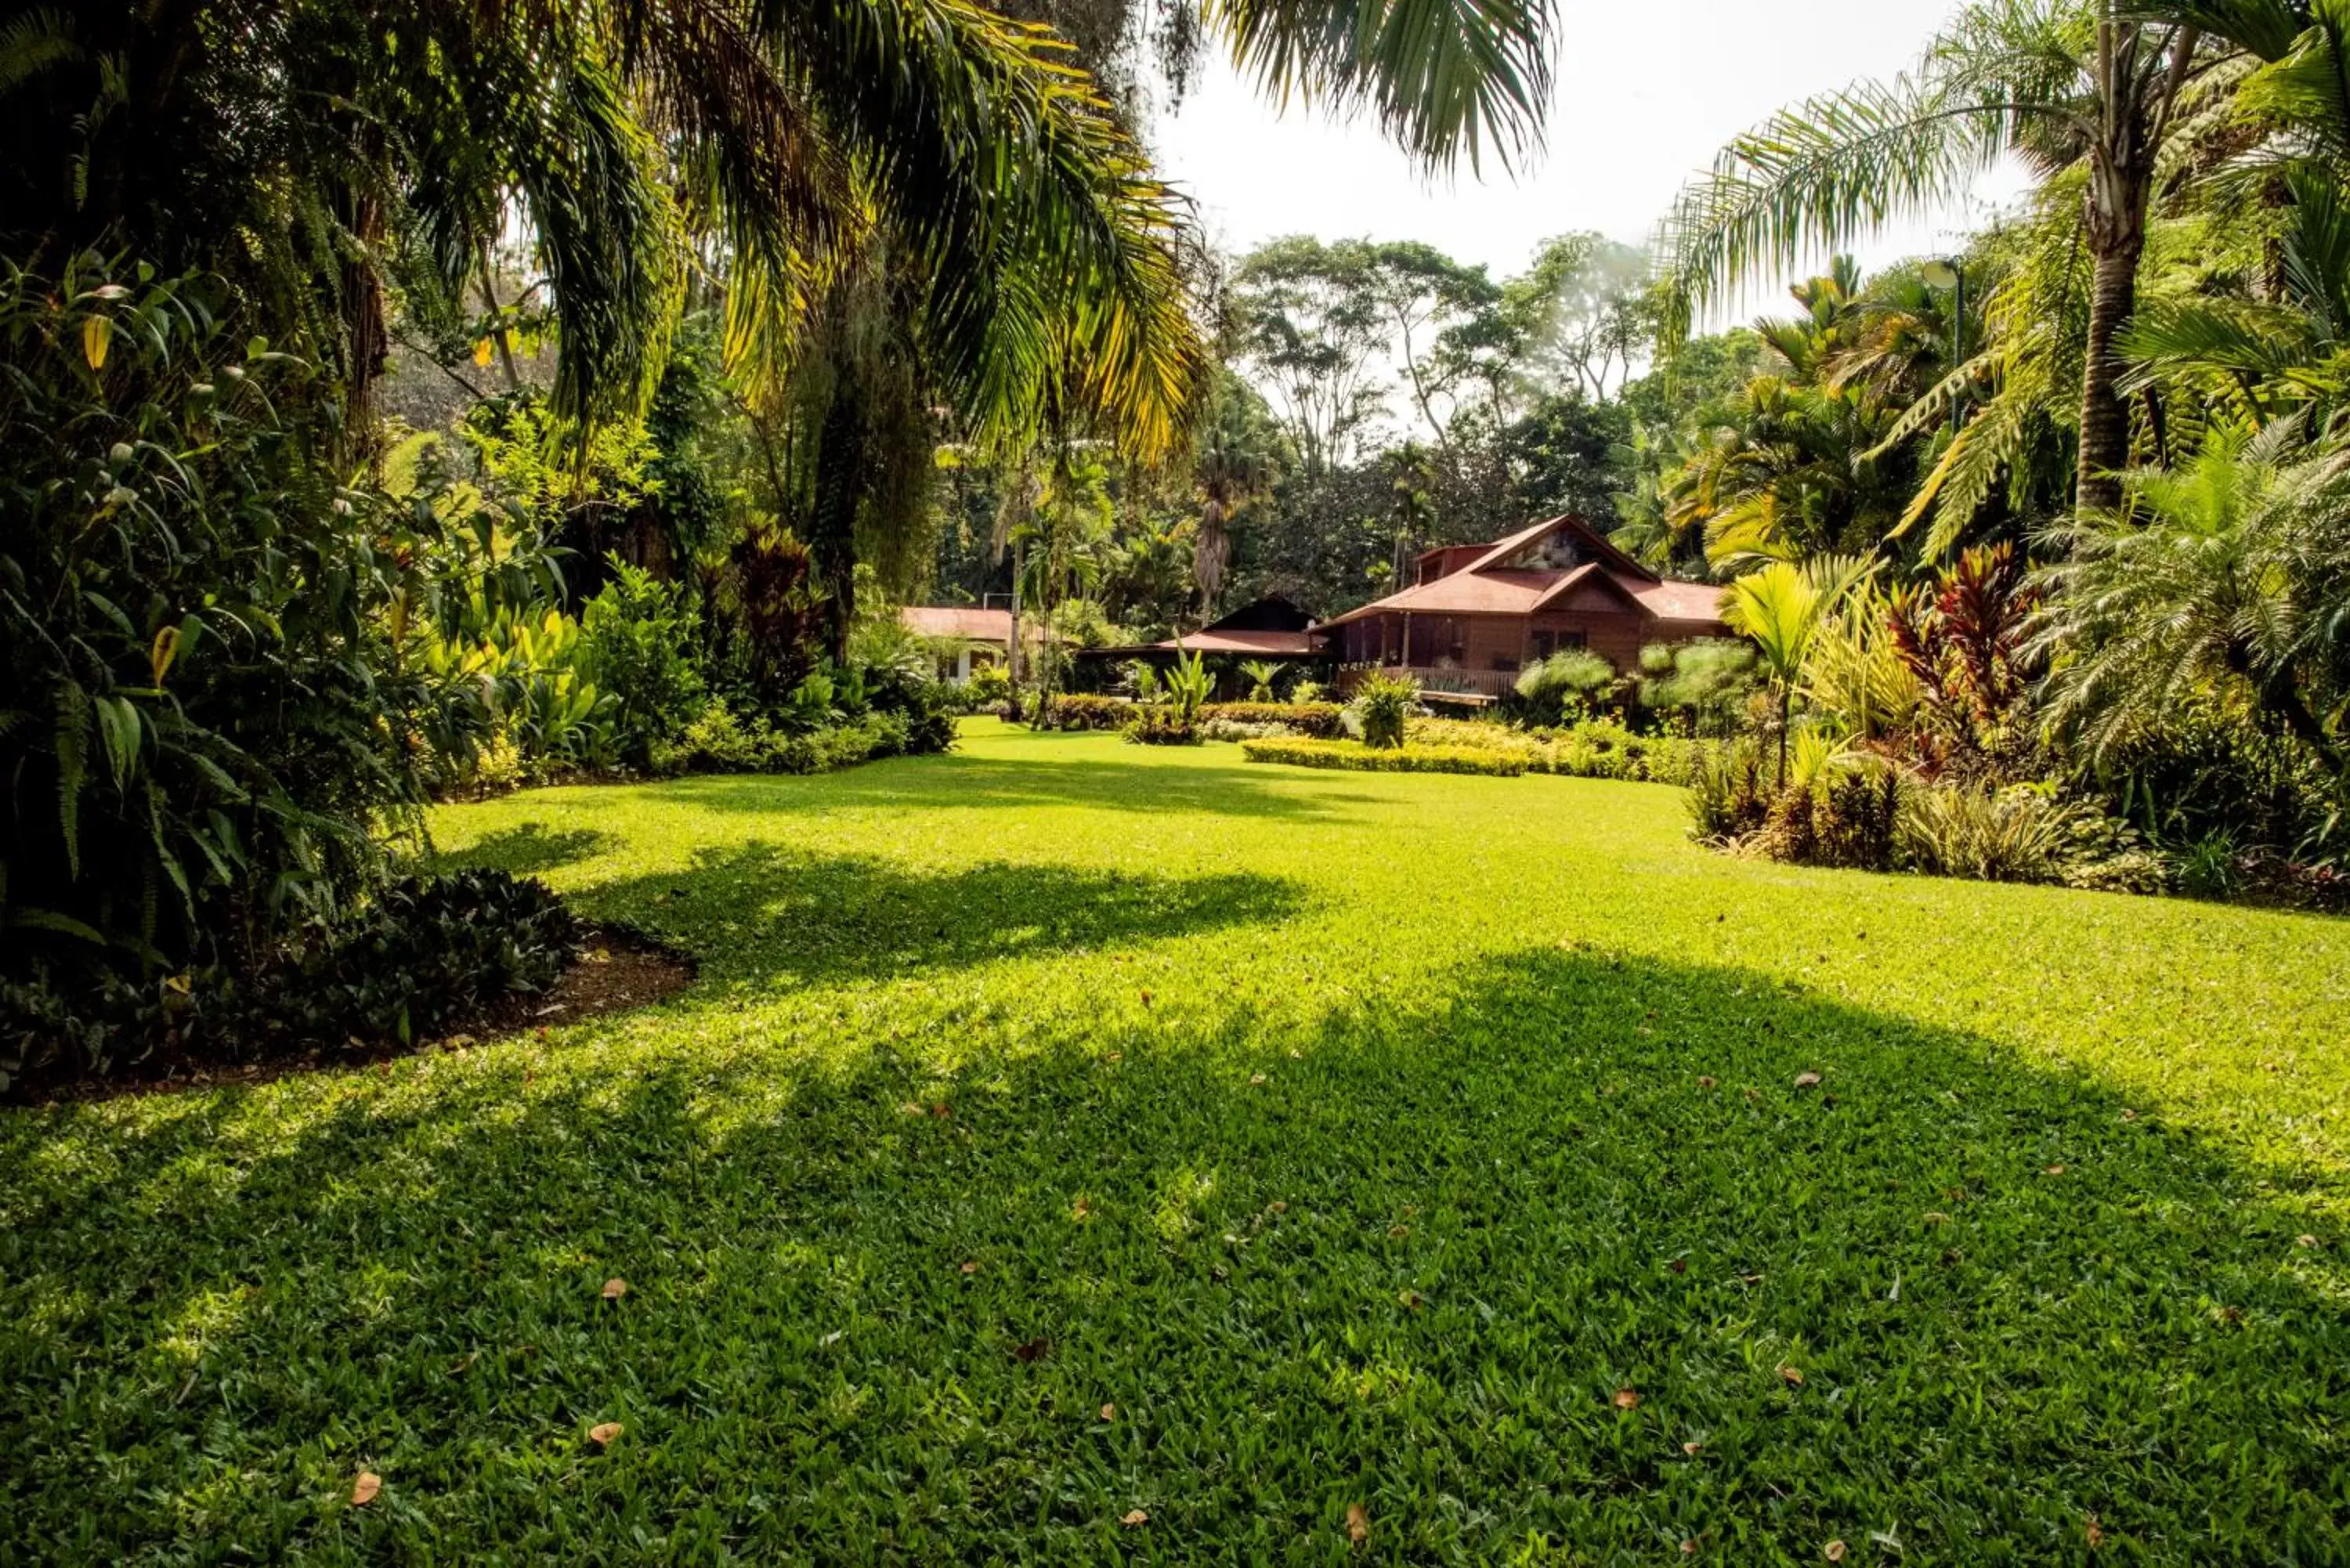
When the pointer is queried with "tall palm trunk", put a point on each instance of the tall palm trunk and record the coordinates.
(2121, 181)
(2105, 419)
(832, 524)
(2138, 92)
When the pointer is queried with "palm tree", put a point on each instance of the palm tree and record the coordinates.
(1794, 464)
(2226, 579)
(1231, 467)
(2091, 85)
(1779, 609)
(297, 147)
(297, 144)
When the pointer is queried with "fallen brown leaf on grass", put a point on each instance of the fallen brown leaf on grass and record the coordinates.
(1627, 1398)
(1109, 1412)
(363, 1490)
(602, 1434)
(1412, 1299)
(1358, 1523)
(2055, 1170)
(1835, 1551)
(971, 1265)
(1136, 1517)
(1792, 1378)
(1678, 1265)
(1035, 1349)
(2306, 1241)
(2096, 1534)
(1399, 1232)
(1691, 1447)
(1705, 1081)
(1807, 1080)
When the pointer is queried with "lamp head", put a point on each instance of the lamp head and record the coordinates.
(1939, 273)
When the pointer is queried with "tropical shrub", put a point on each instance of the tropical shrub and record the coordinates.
(1188, 687)
(203, 723)
(528, 699)
(425, 953)
(1964, 640)
(1316, 718)
(1596, 748)
(1565, 687)
(1261, 674)
(1400, 758)
(1161, 724)
(1382, 705)
(2021, 833)
(989, 686)
(1239, 730)
(418, 956)
(1084, 710)
(636, 646)
(1730, 793)
(721, 740)
(1702, 687)
(1846, 819)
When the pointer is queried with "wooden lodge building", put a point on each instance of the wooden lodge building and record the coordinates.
(1475, 615)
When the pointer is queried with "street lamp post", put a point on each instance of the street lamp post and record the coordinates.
(1951, 273)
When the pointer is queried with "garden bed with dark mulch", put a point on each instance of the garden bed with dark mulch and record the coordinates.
(618, 969)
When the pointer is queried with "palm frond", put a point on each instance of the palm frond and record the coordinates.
(1444, 77)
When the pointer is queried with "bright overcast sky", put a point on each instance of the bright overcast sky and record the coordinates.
(1645, 94)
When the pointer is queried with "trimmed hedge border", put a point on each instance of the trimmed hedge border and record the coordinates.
(1353, 756)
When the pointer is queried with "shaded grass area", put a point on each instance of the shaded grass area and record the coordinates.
(1351, 1140)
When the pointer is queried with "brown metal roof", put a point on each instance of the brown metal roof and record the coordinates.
(1485, 587)
(968, 622)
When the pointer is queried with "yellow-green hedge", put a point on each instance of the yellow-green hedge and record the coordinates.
(1353, 756)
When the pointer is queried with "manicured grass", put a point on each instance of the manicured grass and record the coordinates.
(1309, 1140)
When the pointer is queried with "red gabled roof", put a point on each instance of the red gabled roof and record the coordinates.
(1485, 587)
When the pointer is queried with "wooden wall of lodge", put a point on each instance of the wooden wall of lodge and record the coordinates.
(1508, 641)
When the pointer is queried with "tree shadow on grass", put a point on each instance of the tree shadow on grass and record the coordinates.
(772, 915)
(967, 782)
(1240, 1277)
(527, 849)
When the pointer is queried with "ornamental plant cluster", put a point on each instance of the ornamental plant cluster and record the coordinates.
(233, 679)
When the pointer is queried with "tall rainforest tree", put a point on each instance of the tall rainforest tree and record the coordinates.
(2097, 87)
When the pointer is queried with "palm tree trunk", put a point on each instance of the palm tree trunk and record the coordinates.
(1787, 716)
(2104, 421)
(839, 472)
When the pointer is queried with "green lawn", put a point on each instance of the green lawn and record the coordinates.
(1310, 1140)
